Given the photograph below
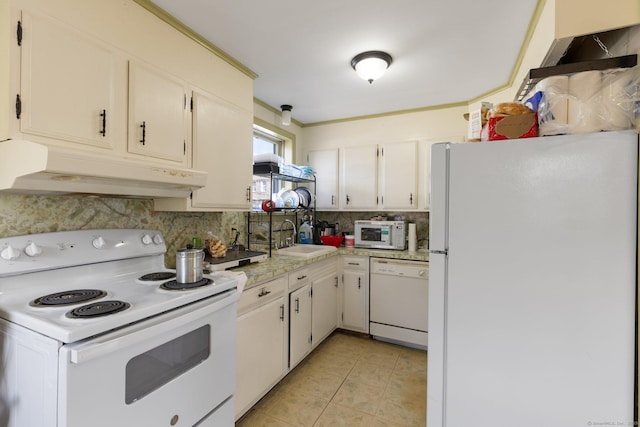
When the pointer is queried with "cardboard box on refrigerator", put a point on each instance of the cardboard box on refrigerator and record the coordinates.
(512, 127)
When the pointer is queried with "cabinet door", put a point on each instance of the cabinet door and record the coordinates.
(157, 114)
(354, 300)
(261, 344)
(222, 146)
(299, 325)
(324, 311)
(358, 177)
(399, 176)
(67, 84)
(325, 163)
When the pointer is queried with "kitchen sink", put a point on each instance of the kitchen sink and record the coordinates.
(306, 251)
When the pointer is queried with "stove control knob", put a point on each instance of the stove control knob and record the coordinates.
(10, 253)
(99, 243)
(157, 239)
(146, 240)
(32, 249)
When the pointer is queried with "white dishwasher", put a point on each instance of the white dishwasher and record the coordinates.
(399, 299)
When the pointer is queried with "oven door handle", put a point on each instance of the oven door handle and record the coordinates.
(181, 321)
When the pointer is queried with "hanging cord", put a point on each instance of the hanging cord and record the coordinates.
(602, 46)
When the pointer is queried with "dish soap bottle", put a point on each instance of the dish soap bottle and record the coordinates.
(305, 234)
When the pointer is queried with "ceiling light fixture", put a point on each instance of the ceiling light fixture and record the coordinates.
(286, 114)
(371, 65)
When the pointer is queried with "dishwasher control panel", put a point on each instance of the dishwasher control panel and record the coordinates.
(415, 269)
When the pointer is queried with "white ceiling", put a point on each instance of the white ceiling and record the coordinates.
(443, 51)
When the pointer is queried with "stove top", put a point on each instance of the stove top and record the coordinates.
(234, 258)
(40, 291)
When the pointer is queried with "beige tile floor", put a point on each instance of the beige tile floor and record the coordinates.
(348, 380)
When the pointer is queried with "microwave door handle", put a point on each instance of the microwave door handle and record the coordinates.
(150, 328)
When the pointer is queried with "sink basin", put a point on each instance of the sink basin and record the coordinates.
(306, 251)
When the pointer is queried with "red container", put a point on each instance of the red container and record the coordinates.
(332, 240)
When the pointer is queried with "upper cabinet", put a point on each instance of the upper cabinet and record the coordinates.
(157, 114)
(68, 84)
(222, 146)
(358, 178)
(325, 164)
(380, 177)
(398, 170)
(79, 75)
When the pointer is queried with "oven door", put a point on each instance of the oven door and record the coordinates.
(172, 369)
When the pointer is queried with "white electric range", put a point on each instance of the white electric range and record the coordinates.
(93, 322)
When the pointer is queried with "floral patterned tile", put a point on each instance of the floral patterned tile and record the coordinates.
(360, 396)
(371, 373)
(336, 415)
(260, 419)
(376, 384)
(313, 381)
(298, 408)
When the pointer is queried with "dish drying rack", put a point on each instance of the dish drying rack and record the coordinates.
(261, 230)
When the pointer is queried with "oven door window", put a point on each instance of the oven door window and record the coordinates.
(151, 370)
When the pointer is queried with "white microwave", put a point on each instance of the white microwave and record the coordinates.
(381, 234)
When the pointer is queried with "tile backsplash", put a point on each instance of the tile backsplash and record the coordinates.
(20, 214)
(29, 214)
(346, 220)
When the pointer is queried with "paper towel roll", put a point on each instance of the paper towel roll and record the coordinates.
(413, 238)
(584, 102)
(617, 103)
(553, 109)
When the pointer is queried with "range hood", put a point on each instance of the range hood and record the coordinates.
(29, 167)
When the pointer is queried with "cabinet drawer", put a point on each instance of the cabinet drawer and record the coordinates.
(261, 294)
(355, 263)
(298, 278)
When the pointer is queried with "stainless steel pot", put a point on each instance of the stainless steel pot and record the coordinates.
(189, 265)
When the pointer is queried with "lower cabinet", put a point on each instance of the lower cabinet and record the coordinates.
(262, 342)
(324, 300)
(299, 324)
(355, 293)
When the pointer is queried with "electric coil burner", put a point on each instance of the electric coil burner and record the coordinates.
(173, 285)
(155, 277)
(97, 309)
(74, 296)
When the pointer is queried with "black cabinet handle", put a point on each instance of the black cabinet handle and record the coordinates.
(297, 305)
(264, 292)
(103, 115)
(411, 198)
(282, 312)
(144, 132)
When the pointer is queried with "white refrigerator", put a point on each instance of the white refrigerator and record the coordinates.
(532, 282)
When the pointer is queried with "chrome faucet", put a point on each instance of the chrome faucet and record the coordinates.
(294, 232)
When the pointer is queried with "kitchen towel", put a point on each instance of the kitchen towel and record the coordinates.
(413, 239)
(553, 108)
(584, 102)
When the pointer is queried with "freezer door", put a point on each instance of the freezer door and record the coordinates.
(541, 281)
(439, 192)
